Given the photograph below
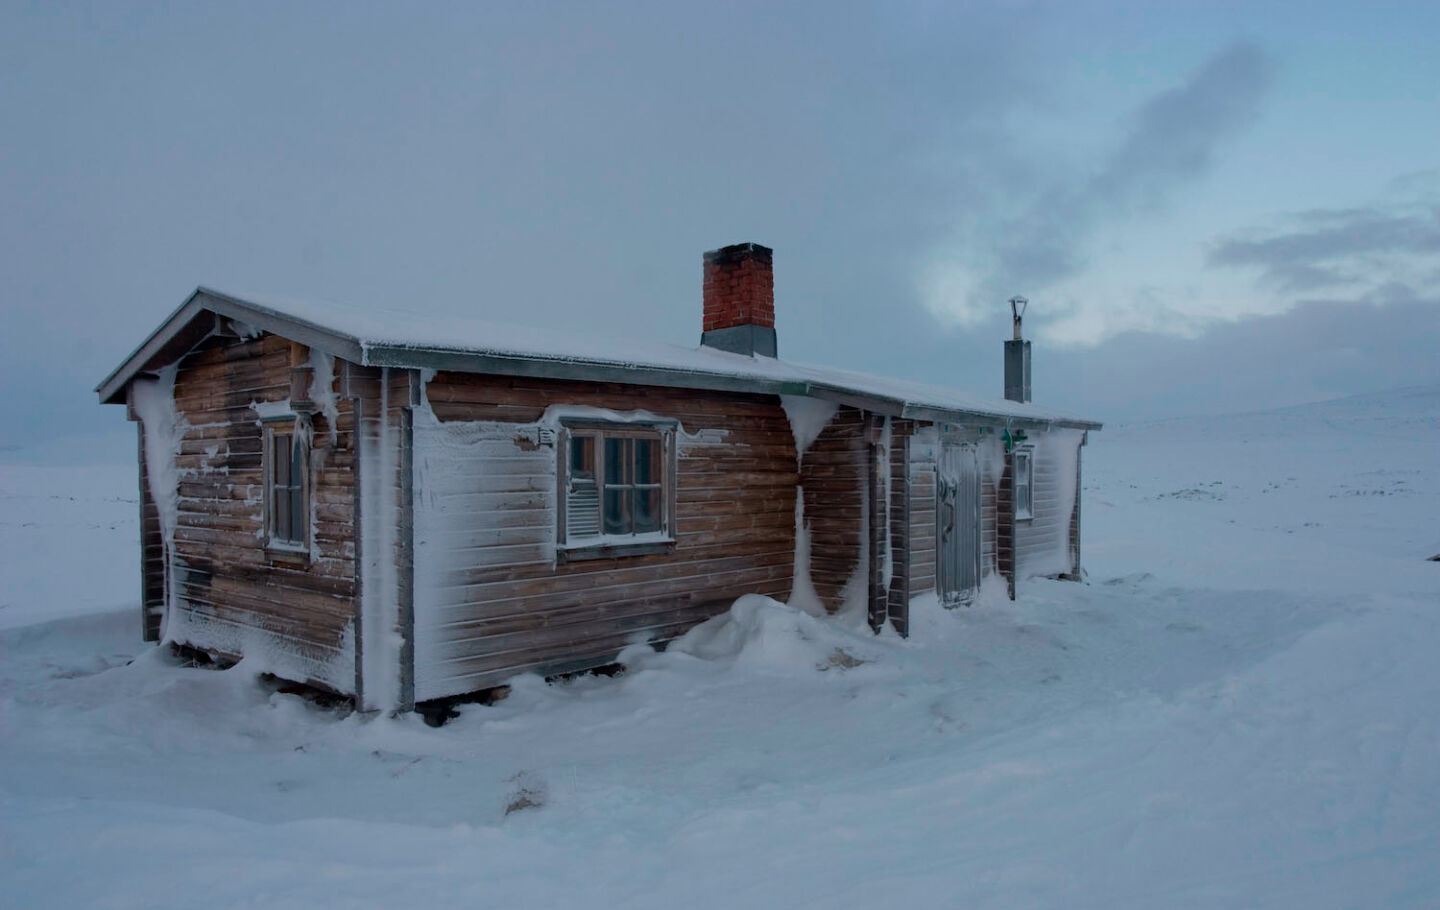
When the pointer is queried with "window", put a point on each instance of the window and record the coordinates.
(287, 500)
(617, 484)
(1024, 483)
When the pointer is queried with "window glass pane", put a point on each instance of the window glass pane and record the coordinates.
(1023, 484)
(297, 515)
(614, 511)
(297, 462)
(582, 456)
(615, 459)
(647, 461)
(280, 521)
(646, 510)
(280, 458)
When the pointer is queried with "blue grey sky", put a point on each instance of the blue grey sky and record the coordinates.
(1212, 207)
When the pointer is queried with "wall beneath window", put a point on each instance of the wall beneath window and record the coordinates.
(492, 600)
(294, 616)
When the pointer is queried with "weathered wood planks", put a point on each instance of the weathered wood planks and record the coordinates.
(225, 579)
(492, 597)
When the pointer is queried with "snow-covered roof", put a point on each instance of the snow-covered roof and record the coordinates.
(373, 337)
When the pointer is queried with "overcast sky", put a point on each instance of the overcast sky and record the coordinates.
(1212, 207)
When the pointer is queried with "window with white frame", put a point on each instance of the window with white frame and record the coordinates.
(617, 484)
(1024, 483)
(287, 486)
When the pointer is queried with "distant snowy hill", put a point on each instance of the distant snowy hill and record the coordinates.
(1237, 710)
(1318, 496)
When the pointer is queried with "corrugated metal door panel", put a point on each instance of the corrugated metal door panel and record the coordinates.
(957, 503)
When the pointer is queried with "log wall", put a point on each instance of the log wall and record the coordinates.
(1043, 543)
(992, 464)
(492, 596)
(923, 452)
(834, 475)
(152, 554)
(232, 594)
(900, 526)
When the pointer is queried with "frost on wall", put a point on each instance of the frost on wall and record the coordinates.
(803, 595)
(485, 504)
(322, 389)
(1043, 545)
(262, 649)
(268, 651)
(380, 640)
(164, 429)
(808, 418)
(484, 497)
(855, 595)
(883, 455)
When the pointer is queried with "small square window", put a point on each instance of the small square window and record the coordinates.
(617, 485)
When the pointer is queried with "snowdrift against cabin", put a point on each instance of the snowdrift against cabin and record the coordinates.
(401, 512)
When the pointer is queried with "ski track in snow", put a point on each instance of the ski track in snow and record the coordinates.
(1238, 709)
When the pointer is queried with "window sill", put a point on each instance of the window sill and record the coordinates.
(295, 556)
(614, 548)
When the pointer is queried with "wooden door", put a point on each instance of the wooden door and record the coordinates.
(957, 505)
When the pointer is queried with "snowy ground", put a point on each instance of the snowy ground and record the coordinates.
(1239, 709)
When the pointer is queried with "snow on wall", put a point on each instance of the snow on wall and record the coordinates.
(164, 429)
(322, 389)
(1042, 545)
(381, 642)
(808, 418)
(924, 445)
(268, 651)
(883, 457)
(491, 596)
(991, 452)
(271, 410)
(464, 472)
(855, 595)
(263, 649)
(802, 587)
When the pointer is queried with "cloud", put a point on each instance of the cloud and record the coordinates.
(1321, 348)
(1176, 132)
(1172, 138)
(1331, 248)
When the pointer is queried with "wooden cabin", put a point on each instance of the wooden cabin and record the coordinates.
(403, 512)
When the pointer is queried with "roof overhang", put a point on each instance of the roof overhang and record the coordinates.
(205, 311)
(198, 318)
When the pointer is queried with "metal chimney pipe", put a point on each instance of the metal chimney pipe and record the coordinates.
(1017, 356)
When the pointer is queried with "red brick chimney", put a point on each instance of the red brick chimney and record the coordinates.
(740, 300)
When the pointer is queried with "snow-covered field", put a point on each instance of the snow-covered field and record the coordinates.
(1238, 710)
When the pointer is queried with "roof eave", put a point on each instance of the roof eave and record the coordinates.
(573, 369)
(183, 329)
(172, 336)
(935, 414)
